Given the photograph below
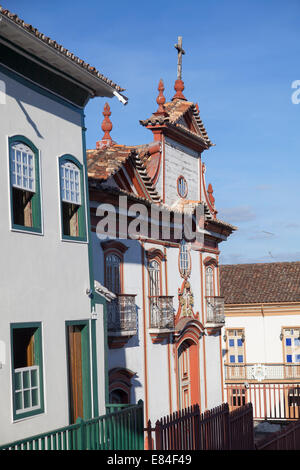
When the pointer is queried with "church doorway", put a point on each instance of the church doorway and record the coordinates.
(188, 374)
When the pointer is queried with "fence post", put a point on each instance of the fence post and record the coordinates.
(158, 435)
(141, 425)
(81, 444)
(227, 427)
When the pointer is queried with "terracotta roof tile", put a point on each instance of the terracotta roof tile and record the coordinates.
(175, 111)
(103, 163)
(260, 283)
(50, 42)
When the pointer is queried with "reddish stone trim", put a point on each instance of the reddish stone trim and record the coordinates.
(153, 253)
(114, 245)
(210, 261)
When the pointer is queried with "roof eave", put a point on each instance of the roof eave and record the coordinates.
(37, 48)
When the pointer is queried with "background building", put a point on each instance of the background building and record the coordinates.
(164, 326)
(261, 341)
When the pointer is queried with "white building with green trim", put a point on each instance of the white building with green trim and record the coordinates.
(52, 365)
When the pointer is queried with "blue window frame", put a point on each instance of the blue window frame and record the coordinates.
(288, 341)
(240, 358)
(289, 358)
(231, 342)
(232, 359)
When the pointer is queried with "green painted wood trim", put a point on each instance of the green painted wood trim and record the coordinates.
(85, 358)
(94, 299)
(36, 198)
(38, 355)
(82, 208)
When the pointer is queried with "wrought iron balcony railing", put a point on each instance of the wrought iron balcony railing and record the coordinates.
(161, 312)
(121, 313)
(261, 372)
(215, 309)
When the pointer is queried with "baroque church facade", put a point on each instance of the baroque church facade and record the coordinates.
(164, 312)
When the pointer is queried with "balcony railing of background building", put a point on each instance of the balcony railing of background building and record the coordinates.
(161, 312)
(215, 309)
(121, 313)
(266, 371)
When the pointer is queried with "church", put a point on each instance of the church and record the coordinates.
(163, 313)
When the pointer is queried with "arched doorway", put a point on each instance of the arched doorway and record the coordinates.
(188, 373)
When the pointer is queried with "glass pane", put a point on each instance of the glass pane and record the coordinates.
(26, 379)
(232, 359)
(35, 397)
(289, 358)
(240, 343)
(34, 378)
(19, 401)
(231, 342)
(240, 358)
(288, 342)
(27, 401)
(18, 381)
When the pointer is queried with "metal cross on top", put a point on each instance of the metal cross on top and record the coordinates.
(178, 46)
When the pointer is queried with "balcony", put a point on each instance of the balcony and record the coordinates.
(121, 320)
(215, 310)
(161, 317)
(260, 372)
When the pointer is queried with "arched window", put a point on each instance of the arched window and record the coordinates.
(154, 278)
(184, 260)
(209, 278)
(72, 198)
(154, 292)
(24, 184)
(113, 273)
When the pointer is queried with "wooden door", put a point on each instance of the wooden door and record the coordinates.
(189, 374)
(184, 376)
(75, 372)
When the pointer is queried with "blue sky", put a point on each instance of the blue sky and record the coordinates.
(241, 59)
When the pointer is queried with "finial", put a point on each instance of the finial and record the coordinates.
(160, 100)
(179, 87)
(106, 127)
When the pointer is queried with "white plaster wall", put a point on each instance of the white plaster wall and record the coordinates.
(42, 278)
(213, 364)
(180, 161)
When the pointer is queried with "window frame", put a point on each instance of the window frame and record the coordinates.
(234, 350)
(185, 193)
(82, 217)
(292, 347)
(38, 353)
(37, 227)
(119, 255)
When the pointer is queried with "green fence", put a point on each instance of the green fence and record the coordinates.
(122, 429)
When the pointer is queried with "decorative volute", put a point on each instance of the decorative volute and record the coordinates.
(210, 195)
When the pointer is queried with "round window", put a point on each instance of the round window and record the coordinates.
(182, 187)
